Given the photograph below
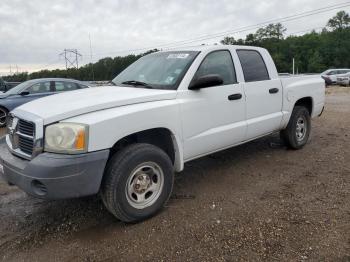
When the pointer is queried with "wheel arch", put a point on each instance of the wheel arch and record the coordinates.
(307, 102)
(161, 137)
(7, 112)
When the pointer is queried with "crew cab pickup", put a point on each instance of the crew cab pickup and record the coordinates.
(126, 141)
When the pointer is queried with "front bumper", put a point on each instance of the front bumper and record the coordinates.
(55, 176)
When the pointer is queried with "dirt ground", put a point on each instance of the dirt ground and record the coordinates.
(258, 201)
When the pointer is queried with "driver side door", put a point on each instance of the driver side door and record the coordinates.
(213, 118)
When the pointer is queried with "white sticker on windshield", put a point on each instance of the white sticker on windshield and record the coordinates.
(177, 56)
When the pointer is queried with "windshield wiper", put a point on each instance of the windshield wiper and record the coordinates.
(137, 83)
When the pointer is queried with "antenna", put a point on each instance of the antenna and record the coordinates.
(92, 66)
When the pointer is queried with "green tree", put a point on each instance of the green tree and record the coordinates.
(340, 21)
(315, 63)
(228, 40)
(271, 31)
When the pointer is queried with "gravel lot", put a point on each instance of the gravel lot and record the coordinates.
(255, 202)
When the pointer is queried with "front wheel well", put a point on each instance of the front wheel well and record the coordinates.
(160, 137)
(3, 107)
(305, 102)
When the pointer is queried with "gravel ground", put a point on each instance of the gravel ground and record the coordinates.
(257, 201)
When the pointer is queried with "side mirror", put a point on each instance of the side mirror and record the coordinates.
(24, 93)
(206, 81)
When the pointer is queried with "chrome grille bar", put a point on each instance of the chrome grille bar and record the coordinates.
(22, 139)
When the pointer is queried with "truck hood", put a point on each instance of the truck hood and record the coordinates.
(69, 104)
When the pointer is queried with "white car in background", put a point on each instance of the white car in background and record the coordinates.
(332, 74)
(344, 80)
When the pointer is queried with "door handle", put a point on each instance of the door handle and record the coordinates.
(234, 97)
(273, 90)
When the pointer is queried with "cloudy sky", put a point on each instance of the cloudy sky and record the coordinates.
(33, 33)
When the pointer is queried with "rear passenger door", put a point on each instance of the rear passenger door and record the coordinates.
(263, 95)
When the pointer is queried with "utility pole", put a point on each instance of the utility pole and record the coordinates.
(71, 56)
(293, 66)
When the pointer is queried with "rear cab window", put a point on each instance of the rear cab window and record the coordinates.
(253, 65)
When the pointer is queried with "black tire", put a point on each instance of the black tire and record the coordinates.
(120, 169)
(290, 135)
(3, 116)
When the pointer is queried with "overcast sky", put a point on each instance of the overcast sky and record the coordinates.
(33, 33)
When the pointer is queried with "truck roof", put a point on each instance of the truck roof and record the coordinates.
(213, 48)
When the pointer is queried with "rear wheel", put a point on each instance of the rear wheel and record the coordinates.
(3, 116)
(138, 182)
(298, 129)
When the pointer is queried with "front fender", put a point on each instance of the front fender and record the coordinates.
(106, 127)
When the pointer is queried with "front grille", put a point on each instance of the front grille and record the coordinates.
(21, 135)
(26, 128)
(26, 145)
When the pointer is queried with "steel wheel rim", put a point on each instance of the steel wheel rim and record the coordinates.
(301, 128)
(3, 116)
(144, 185)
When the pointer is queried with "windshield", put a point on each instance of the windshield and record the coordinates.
(163, 70)
(19, 88)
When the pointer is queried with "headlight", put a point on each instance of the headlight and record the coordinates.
(68, 138)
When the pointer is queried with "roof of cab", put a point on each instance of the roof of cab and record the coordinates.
(212, 48)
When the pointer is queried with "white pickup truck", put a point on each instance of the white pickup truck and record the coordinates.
(126, 141)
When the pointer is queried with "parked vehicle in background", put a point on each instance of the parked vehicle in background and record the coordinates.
(34, 89)
(126, 141)
(344, 80)
(5, 86)
(331, 75)
(327, 80)
(2, 85)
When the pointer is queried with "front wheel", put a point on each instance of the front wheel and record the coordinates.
(298, 129)
(3, 116)
(138, 182)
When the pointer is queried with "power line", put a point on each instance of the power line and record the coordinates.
(259, 25)
(181, 43)
(238, 30)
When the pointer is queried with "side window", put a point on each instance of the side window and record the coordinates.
(65, 86)
(343, 71)
(220, 63)
(253, 65)
(38, 88)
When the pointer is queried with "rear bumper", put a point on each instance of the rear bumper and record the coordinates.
(343, 82)
(55, 176)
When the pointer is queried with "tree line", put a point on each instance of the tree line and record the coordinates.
(312, 52)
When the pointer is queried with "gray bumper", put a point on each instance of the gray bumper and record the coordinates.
(55, 176)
